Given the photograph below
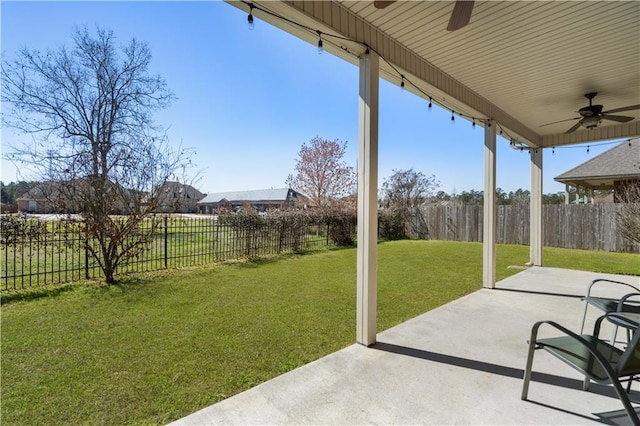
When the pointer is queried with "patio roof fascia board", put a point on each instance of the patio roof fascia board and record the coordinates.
(331, 17)
(618, 131)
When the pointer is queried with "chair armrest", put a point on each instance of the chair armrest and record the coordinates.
(596, 330)
(601, 280)
(624, 298)
(581, 340)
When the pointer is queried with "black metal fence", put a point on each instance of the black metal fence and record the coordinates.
(40, 252)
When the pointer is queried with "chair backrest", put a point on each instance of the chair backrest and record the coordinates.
(629, 362)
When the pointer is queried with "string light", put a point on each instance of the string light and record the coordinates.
(250, 17)
(320, 47)
(338, 37)
(587, 149)
(553, 150)
(473, 124)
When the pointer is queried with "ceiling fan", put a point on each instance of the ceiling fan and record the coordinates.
(459, 17)
(592, 115)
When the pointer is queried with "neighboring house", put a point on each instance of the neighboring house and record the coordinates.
(261, 200)
(611, 170)
(48, 197)
(176, 197)
(42, 198)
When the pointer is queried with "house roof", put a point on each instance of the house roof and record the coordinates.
(177, 187)
(621, 162)
(279, 194)
(42, 191)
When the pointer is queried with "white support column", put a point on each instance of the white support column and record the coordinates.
(535, 239)
(367, 279)
(567, 194)
(489, 210)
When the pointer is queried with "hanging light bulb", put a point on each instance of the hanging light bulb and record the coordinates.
(473, 124)
(320, 47)
(453, 118)
(401, 82)
(250, 18)
(553, 150)
(587, 149)
(430, 103)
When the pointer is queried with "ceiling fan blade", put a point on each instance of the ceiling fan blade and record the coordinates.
(561, 121)
(627, 108)
(461, 14)
(574, 128)
(618, 118)
(383, 4)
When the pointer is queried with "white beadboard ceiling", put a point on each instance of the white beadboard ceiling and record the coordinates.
(522, 63)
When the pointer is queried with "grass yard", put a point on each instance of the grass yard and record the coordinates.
(156, 348)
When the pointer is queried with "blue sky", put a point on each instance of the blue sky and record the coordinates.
(247, 100)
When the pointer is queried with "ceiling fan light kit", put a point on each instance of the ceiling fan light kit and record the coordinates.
(591, 122)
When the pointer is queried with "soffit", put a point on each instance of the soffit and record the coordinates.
(524, 64)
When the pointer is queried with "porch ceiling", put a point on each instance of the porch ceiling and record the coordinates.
(524, 64)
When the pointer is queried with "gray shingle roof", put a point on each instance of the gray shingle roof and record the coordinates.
(279, 194)
(622, 162)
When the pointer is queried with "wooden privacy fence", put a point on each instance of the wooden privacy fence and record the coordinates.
(578, 226)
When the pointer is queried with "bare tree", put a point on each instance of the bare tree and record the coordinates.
(628, 218)
(402, 193)
(408, 188)
(321, 172)
(89, 111)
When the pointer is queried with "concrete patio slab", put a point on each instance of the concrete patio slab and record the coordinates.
(461, 363)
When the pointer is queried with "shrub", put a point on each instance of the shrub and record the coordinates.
(391, 225)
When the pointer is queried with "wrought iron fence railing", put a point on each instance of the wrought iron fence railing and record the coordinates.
(37, 252)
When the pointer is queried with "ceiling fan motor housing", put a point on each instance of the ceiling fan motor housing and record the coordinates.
(591, 110)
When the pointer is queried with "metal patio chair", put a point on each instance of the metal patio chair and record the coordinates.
(597, 359)
(610, 304)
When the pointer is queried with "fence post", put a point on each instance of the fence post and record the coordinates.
(86, 259)
(166, 241)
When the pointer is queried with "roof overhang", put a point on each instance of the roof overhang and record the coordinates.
(597, 183)
(522, 64)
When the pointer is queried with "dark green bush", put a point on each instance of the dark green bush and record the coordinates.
(391, 225)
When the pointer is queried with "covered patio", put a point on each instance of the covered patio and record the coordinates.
(521, 71)
(461, 363)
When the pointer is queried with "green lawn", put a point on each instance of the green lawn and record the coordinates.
(156, 348)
